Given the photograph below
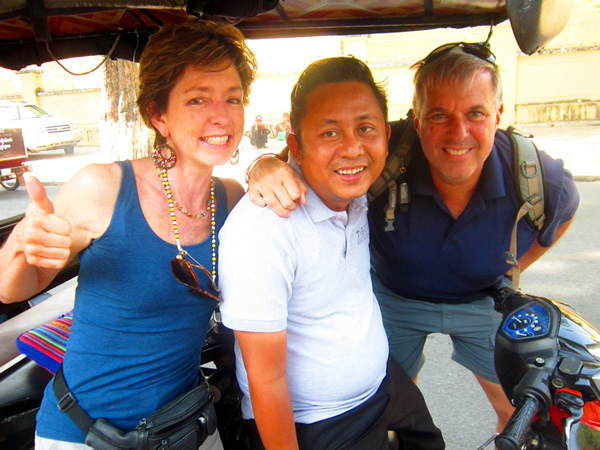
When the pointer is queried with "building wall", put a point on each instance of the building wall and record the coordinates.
(560, 84)
(77, 97)
(280, 63)
(82, 106)
(391, 56)
(570, 94)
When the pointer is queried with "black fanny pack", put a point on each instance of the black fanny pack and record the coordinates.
(183, 423)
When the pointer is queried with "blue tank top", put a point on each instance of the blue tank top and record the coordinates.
(137, 332)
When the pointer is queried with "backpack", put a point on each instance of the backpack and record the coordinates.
(528, 175)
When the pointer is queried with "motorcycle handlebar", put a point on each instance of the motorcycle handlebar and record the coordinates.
(518, 425)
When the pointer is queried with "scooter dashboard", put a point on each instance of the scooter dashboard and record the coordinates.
(528, 322)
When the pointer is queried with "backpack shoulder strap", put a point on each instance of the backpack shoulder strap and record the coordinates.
(529, 179)
(529, 175)
(399, 156)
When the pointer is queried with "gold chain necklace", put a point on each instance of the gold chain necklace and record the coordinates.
(213, 223)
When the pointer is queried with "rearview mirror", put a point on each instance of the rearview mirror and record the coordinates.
(537, 22)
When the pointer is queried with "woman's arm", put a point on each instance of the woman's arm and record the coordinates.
(36, 250)
(273, 183)
(52, 234)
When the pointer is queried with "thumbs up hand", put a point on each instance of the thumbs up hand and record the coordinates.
(46, 237)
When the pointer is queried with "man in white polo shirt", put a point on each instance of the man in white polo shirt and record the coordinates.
(312, 353)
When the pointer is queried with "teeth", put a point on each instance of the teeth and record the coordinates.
(456, 152)
(216, 140)
(350, 171)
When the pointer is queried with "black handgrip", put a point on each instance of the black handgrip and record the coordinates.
(518, 425)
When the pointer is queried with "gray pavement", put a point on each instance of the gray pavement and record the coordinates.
(577, 146)
(568, 272)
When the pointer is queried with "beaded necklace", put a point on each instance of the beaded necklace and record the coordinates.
(213, 223)
(189, 214)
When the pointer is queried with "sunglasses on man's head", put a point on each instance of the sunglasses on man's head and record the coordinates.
(481, 51)
(185, 274)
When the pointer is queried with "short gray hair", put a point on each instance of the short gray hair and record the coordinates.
(456, 66)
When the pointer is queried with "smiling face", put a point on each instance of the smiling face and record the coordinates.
(204, 119)
(456, 125)
(344, 142)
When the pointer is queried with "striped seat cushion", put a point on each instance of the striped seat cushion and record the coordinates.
(46, 344)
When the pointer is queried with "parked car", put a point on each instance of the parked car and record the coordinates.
(41, 131)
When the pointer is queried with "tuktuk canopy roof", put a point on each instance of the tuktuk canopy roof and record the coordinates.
(37, 31)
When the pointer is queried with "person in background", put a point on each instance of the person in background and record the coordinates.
(283, 128)
(311, 353)
(146, 234)
(260, 133)
(433, 273)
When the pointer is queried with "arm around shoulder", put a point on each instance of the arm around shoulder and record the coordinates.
(273, 183)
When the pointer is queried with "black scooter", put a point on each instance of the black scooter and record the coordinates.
(548, 361)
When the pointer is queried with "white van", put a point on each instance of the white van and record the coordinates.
(41, 131)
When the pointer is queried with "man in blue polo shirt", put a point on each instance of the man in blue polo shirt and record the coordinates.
(433, 272)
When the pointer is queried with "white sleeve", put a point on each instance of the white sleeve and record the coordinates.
(256, 268)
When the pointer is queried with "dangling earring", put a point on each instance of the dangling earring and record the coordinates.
(159, 159)
(235, 158)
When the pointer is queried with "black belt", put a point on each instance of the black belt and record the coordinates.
(67, 403)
